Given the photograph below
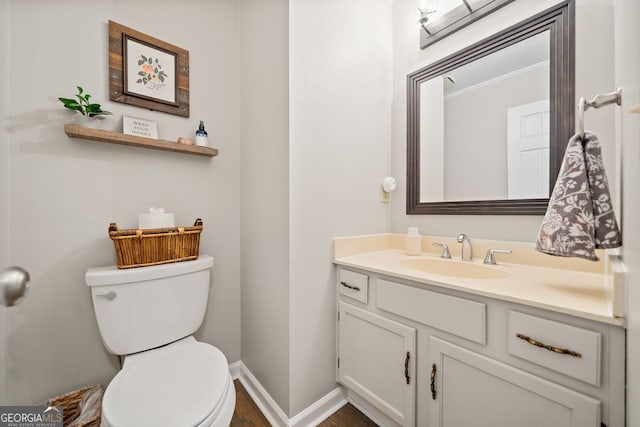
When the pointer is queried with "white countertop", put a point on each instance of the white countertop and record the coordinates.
(573, 292)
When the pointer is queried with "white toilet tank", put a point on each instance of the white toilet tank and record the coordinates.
(141, 308)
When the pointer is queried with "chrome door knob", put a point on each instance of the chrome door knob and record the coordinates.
(14, 285)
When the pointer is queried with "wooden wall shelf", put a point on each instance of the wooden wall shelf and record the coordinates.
(74, 131)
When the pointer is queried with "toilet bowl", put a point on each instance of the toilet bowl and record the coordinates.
(168, 378)
(186, 383)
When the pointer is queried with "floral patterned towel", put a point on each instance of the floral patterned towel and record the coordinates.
(580, 217)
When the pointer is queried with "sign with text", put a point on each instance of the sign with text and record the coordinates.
(31, 416)
(139, 127)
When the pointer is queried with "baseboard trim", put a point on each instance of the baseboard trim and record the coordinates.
(370, 411)
(321, 409)
(269, 408)
(311, 416)
(234, 370)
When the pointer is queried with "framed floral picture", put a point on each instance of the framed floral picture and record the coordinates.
(150, 72)
(147, 72)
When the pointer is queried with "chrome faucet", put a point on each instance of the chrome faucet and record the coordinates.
(490, 259)
(445, 250)
(466, 247)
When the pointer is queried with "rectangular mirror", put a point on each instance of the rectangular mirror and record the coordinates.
(487, 126)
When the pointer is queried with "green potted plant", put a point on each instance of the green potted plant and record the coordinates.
(89, 111)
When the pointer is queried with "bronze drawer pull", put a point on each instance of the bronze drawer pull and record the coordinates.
(433, 382)
(355, 288)
(406, 367)
(549, 347)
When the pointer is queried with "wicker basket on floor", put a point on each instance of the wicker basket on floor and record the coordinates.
(70, 403)
(142, 248)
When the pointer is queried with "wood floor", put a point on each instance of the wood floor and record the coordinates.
(247, 414)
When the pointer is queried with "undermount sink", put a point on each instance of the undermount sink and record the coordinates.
(461, 269)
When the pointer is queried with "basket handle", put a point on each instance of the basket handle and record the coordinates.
(198, 222)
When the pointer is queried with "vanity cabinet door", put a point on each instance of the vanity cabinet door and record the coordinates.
(377, 360)
(474, 390)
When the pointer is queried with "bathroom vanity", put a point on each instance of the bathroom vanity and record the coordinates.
(424, 341)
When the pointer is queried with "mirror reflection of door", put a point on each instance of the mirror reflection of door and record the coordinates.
(528, 150)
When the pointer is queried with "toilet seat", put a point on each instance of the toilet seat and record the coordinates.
(183, 384)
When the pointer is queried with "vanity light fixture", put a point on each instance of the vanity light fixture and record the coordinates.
(451, 15)
(424, 18)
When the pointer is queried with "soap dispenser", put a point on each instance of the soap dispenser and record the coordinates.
(414, 242)
(201, 136)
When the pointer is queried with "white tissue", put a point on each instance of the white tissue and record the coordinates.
(156, 218)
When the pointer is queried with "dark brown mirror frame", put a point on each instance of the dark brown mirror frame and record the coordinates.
(560, 22)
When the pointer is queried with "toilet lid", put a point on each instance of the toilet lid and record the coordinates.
(171, 386)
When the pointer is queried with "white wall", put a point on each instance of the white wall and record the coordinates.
(591, 78)
(339, 104)
(64, 192)
(627, 14)
(265, 194)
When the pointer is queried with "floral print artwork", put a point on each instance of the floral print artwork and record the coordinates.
(150, 73)
(580, 216)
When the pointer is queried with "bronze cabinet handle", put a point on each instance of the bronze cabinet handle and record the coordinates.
(346, 285)
(549, 347)
(433, 381)
(406, 367)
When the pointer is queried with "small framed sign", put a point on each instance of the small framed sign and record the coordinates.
(139, 127)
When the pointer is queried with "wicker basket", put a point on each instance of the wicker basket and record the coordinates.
(70, 403)
(141, 248)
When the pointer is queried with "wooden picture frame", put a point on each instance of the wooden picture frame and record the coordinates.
(147, 72)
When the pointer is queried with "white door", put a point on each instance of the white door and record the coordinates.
(469, 389)
(627, 76)
(528, 151)
(4, 191)
(377, 360)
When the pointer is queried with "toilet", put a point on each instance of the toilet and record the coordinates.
(168, 378)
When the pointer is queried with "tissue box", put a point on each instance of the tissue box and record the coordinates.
(142, 248)
(156, 220)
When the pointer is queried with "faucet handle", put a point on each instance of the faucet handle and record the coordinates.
(490, 259)
(445, 250)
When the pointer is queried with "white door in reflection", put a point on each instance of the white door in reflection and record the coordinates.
(528, 150)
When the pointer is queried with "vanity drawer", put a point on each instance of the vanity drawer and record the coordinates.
(353, 285)
(458, 316)
(567, 349)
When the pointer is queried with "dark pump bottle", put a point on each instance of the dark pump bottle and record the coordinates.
(201, 135)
